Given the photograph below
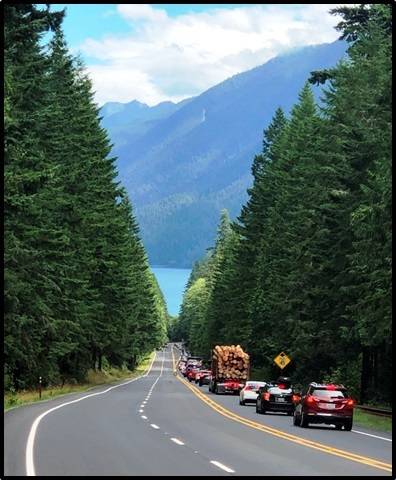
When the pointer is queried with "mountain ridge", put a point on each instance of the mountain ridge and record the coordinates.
(203, 151)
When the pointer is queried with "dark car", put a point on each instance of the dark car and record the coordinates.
(325, 403)
(205, 379)
(276, 397)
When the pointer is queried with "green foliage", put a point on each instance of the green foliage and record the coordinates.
(306, 269)
(348, 375)
(194, 313)
(78, 290)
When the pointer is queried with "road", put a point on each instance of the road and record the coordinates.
(161, 425)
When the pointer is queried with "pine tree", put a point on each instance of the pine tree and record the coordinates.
(29, 182)
(78, 289)
(194, 313)
(308, 267)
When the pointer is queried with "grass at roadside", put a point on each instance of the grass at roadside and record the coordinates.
(368, 420)
(17, 399)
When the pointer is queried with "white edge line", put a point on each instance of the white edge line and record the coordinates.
(370, 435)
(176, 440)
(30, 470)
(223, 467)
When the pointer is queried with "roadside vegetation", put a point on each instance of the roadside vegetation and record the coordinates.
(94, 378)
(78, 288)
(306, 267)
(376, 422)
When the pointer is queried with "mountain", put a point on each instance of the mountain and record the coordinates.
(182, 163)
(127, 121)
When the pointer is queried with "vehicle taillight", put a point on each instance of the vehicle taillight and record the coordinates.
(295, 398)
(266, 396)
(350, 402)
(309, 399)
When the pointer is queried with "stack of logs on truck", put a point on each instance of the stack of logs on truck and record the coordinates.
(230, 369)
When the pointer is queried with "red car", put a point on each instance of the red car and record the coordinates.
(325, 403)
(201, 373)
(191, 372)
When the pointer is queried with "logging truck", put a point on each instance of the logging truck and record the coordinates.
(230, 369)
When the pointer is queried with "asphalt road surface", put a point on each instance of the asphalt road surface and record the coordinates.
(160, 425)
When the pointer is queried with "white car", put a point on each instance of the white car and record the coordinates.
(249, 392)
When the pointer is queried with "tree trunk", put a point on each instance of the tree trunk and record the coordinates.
(132, 362)
(365, 374)
(375, 369)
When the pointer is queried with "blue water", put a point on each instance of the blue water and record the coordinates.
(172, 282)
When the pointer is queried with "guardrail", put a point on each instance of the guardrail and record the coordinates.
(383, 412)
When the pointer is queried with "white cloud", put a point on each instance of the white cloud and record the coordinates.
(122, 84)
(170, 58)
(141, 12)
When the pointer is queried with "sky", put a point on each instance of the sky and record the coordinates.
(160, 52)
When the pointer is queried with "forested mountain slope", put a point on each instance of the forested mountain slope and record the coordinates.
(128, 121)
(188, 166)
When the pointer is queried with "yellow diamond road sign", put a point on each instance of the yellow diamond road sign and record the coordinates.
(282, 360)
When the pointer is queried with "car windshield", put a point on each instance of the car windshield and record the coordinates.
(255, 385)
(329, 394)
(279, 390)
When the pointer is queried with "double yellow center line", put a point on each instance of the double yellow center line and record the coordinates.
(278, 433)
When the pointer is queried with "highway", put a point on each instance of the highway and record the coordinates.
(161, 425)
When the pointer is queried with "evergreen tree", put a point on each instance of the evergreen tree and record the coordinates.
(307, 268)
(29, 183)
(78, 288)
(194, 311)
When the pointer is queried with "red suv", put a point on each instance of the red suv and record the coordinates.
(191, 373)
(201, 373)
(325, 403)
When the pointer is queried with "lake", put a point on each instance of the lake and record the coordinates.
(172, 282)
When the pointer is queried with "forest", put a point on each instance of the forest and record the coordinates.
(306, 267)
(78, 289)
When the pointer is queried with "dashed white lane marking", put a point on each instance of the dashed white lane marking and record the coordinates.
(144, 417)
(223, 467)
(29, 462)
(154, 426)
(141, 411)
(370, 435)
(176, 440)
